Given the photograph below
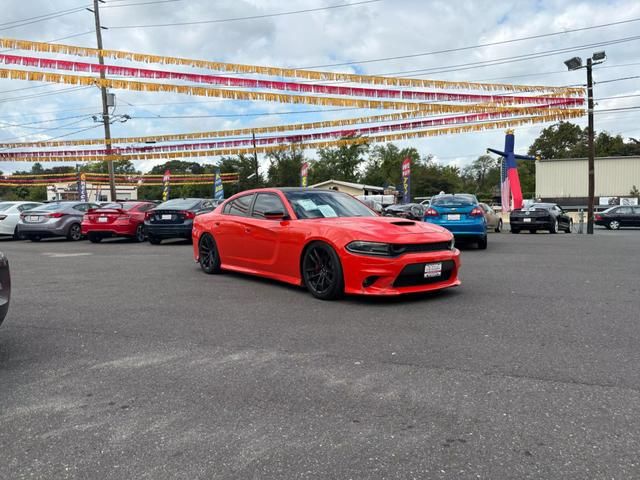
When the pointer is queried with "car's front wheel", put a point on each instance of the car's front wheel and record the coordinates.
(322, 271)
(208, 256)
(75, 232)
(140, 235)
(614, 224)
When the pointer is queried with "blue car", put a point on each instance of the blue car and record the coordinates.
(461, 214)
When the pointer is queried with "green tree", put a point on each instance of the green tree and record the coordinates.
(482, 175)
(339, 163)
(384, 165)
(284, 167)
(634, 192)
(176, 191)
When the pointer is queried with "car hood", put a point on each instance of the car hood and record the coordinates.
(386, 229)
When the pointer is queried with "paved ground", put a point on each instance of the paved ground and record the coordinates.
(123, 361)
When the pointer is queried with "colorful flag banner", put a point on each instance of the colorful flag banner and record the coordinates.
(406, 180)
(304, 175)
(166, 186)
(218, 188)
(82, 187)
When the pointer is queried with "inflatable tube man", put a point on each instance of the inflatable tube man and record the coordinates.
(510, 181)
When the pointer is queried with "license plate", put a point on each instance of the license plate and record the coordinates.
(33, 218)
(527, 220)
(432, 270)
(102, 219)
(455, 216)
(166, 217)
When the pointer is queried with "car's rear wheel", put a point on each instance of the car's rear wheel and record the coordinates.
(322, 271)
(154, 240)
(533, 230)
(482, 243)
(17, 235)
(554, 227)
(75, 232)
(140, 236)
(614, 224)
(570, 227)
(499, 226)
(208, 256)
(94, 238)
(34, 238)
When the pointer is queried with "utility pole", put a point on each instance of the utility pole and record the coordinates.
(105, 106)
(255, 155)
(592, 148)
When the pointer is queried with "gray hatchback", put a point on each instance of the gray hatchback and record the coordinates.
(56, 219)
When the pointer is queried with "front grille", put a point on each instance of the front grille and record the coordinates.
(413, 275)
(419, 247)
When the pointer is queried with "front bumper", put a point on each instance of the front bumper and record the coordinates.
(369, 275)
(168, 231)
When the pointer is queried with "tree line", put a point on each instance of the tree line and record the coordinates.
(378, 165)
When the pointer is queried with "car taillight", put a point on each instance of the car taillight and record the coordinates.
(56, 215)
(598, 217)
(430, 213)
(476, 212)
(147, 215)
(188, 214)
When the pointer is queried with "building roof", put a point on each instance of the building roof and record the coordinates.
(584, 159)
(348, 184)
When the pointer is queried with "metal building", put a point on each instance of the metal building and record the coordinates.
(565, 180)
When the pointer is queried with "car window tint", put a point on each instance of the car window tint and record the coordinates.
(179, 204)
(623, 211)
(145, 206)
(267, 203)
(5, 206)
(636, 210)
(82, 207)
(452, 200)
(240, 206)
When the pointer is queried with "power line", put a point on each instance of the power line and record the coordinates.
(141, 3)
(252, 17)
(38, 95)
(51, 17)
(617, 79)
(58, 13)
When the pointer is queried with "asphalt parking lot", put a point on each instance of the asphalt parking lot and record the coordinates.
(123, 361)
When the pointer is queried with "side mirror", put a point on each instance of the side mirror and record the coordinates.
(275, 215)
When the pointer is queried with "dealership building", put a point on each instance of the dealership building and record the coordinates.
(565, 180)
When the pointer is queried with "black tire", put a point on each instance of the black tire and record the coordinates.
(553, 228)
(154, 240)
(17, 235)
(75, 232)
(34, 238)
(515, 230)
(533, 230)
(140, 235)
(499, 227)
(208, 256)
(482, 243)
(570, 227)
(614, 225)
(94, 238)
(322, 271)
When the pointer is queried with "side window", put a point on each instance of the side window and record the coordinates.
(145, 207)
(226, 208)
(81, 207)
(623, 211)
(267, 202)
(636, 210)
(22, 208)
(240, 206)
(207, 204)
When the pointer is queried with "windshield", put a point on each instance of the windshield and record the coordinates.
(325, 204)
(451, 200)
(5, 206)
(542, 206)
(179, 204)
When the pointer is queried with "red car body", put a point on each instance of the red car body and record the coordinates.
(274, 248)
(123, 220)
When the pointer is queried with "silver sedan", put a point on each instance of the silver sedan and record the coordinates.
(56, 219)
(494, 221)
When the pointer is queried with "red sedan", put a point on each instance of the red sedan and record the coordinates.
(119, 219)
(325, 240)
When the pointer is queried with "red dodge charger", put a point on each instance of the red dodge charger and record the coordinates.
(325, 240)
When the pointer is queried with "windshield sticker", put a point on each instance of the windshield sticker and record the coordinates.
(327, 211)
(308, 204)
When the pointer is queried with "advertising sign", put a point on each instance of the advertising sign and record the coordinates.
(218, 188)
(304, 172)
(165, 185)
(406, 180)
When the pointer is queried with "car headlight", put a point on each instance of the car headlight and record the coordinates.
(370, 248)
(452, 243)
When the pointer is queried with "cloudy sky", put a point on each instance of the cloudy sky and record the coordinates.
(359, 38)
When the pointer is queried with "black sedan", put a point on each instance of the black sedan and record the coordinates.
(5, 286)
(174, 218)
(615, 217)
(412, 211)
(541, 216)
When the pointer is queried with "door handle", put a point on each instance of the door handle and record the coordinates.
(247, 230)
(217, 224)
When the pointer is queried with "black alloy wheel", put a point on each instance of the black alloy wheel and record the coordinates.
(570, 227)
(515, 230)
(533, 230)
(17, 235)
(553, 228)
(94, 237)
(154, 240)
(140, 234)
(482, 243)
(75, 232)
(208, 255)
(322, 271)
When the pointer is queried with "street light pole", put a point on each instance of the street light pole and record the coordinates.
(105, 106)
(592, 148)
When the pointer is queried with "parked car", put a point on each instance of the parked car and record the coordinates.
(55, 219)
(373, 205)
(10, 214)
(119, 219)
(461, 214)
(413, 211)
(5, 286)
(616, 217)
(493, 219)
(541, 216)
(325, 240)
(174, 218)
